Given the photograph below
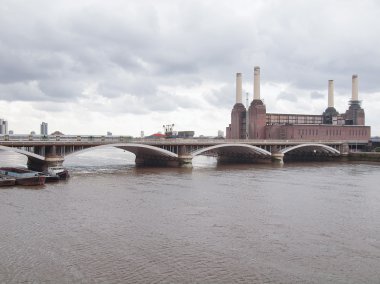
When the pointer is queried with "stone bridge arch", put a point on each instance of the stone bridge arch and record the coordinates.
(312, 146)
(308, 151)
(235, 152)
(23, 152)
(145, 154)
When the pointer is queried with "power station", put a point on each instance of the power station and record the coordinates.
(256, 123)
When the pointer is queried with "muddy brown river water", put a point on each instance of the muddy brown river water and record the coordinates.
(114, 223)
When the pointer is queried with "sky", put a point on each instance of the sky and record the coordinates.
(88, 67)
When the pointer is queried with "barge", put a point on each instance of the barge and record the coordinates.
(24, 176)
(7, 180)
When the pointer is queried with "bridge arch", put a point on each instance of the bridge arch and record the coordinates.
(23, 152)
(323, 147)
(245, 147)
(137, 149)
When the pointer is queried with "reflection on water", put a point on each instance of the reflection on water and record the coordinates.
(115, 223)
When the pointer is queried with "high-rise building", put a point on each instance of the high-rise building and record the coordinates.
(3, 126)
(44, 128)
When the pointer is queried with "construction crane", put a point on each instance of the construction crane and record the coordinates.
(168, 129)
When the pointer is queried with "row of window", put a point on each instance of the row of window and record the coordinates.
(293, 119)
(310, 132)
(332, 132)
(358, 132)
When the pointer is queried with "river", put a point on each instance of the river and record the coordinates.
(114, 223)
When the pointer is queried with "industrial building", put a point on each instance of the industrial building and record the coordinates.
(256, 123)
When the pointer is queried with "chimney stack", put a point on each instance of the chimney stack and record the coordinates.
(256, 83)
(331, 94)
(355, 96)
(239, 88)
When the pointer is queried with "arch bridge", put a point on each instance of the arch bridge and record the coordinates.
(44, 151)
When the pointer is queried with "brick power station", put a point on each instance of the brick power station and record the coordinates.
(256, 123)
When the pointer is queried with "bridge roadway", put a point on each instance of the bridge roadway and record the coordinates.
(44, 151)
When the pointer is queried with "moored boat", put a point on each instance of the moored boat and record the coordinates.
(57, 172)
(24, 176)
(7, 180)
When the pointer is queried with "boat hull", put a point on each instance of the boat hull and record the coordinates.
(37, 180)
(54, 173)
(63, 175)
(7, 181)
(23, 176)
(52, 178)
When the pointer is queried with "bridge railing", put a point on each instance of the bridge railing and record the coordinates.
(84, 138)
(124, 139)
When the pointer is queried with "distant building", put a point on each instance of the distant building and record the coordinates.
(3, 126)
(220, 134)
(109, 133)
(11, 132)
(142, 134)
(44, 128)
(57, 133)
(185, 134)
(32, 133)
(256, 123)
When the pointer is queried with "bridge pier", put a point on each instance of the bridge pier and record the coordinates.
(241, 159)
(277, 157)
(42, 165)
(185, 161)
(157, 162)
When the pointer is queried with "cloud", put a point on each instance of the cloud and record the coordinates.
(287, 97)
(144, 56)
(317, 95)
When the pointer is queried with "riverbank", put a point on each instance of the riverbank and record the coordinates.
(364, 156)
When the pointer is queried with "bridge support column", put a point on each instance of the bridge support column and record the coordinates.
(42, 165)
(344, 151)
(155, 162)
(181, 161)
(184, 157)
(277, 157)
(185, 160)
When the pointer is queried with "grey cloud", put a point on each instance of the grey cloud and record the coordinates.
(287, 97)
(133, 49)
(317, 95)
(21, 91)
(222, 97)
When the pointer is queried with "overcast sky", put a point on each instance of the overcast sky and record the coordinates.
(88, 67)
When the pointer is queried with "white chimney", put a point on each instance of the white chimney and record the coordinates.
(256, 83)
(239, 89)
(355, 96)
(331, 94)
